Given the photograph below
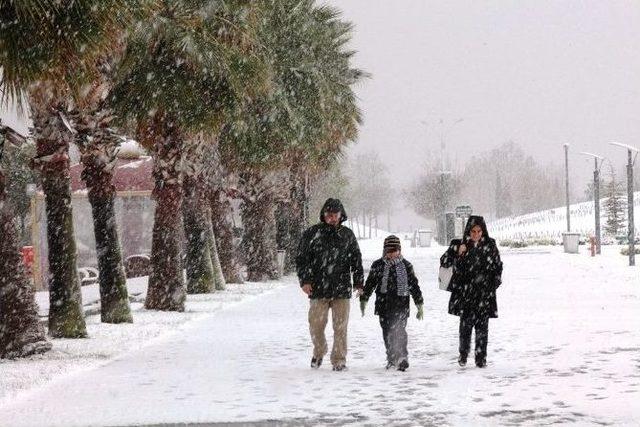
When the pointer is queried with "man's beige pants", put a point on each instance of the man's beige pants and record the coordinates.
(318, 314)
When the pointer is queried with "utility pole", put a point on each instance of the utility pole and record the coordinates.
(596, 197)
(444, 185)
(566, 170)
(631, 235)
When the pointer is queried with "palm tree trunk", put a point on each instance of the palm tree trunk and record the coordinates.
(223, 232)
(259, 240)
(97, 174)
(114, 297)
(166, 290)
(21, 334)
(200, 275)
(218, 275)
(296, 221)
(259, 220)
(66, 316)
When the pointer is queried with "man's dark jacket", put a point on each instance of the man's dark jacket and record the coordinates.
(329, 257)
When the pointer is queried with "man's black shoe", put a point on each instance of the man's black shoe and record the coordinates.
(403, 365)
(316, 362)
(339, 367)
(462, 359)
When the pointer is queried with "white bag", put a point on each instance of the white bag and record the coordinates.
(444, 277)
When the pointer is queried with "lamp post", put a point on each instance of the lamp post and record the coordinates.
(566, 173)
(632, 154)
(596, 195)
(444, 185)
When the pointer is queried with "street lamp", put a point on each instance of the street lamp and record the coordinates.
(631, 235)
(596, 194)
(566, 171)
(443, 133)
(442, 229)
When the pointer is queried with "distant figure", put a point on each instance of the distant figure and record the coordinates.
(393, 279)
(477, 273)
(328, 258)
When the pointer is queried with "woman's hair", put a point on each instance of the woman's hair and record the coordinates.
(472, 222)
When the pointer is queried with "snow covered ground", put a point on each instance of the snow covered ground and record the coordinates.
(566, 349)
(551, 223)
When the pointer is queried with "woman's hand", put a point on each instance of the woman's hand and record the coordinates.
(462, 249)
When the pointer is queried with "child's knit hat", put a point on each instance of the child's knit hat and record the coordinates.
(391, 243)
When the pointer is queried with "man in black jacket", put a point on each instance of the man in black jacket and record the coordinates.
(328, 258)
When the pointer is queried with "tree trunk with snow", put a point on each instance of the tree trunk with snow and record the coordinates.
(66, 316)
(200, 275)
(258, 218)
(21, 333)
(223, 232)
(295, 217)
(166, 290)
(218, 276)
(259, 241)
(98, 146)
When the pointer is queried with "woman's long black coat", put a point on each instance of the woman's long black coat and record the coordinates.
(476, 276)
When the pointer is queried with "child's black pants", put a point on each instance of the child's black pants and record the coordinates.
(394, 333)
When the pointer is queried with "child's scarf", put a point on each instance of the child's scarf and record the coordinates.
(401, 276)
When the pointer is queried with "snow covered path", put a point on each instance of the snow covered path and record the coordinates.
(566, 349)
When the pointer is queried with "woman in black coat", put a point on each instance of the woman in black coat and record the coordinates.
(477, 273)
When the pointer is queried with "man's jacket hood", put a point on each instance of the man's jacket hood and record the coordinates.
(333, 205)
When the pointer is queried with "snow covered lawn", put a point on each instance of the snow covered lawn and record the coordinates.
(566, 349)
(105, 342)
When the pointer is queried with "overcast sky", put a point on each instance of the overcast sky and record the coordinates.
(540, 73)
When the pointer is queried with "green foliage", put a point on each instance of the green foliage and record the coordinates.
(514, 243)
(625, 251)
(50, 40)
(15, 164)
(191, 62)
(310, 110)
(614, 205)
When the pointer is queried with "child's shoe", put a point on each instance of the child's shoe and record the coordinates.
(403, 365)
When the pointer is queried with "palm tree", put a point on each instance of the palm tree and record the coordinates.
(180, 72)
(98, 145)
(50, 66)
(222, 221)
(204, 272)
(310, 114)
(21, 333)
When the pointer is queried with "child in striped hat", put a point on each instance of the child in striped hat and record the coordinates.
(394, 281)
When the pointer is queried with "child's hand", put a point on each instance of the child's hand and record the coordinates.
(420, 314)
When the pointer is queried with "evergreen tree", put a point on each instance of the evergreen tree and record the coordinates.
(21, 333)
(614, 205)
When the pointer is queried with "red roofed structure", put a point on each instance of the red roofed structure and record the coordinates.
(134, 207)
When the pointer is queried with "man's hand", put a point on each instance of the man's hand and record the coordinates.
(307, 289)
(363, 306)
(462, 249)
(420, 314)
